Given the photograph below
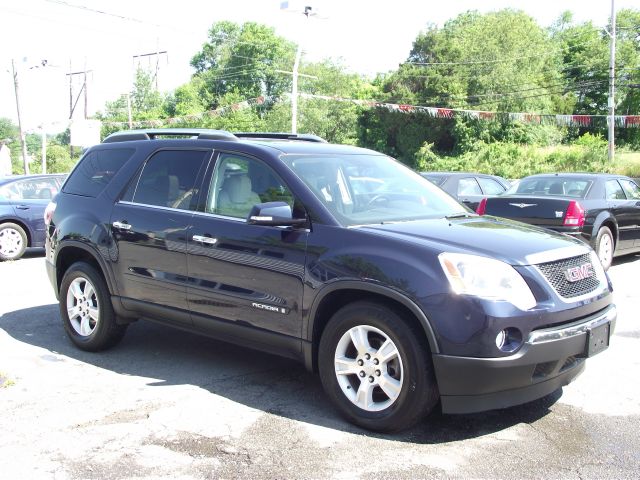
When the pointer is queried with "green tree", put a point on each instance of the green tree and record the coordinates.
(334, 120)
(147, 104)
(499, 61)
(244, 59)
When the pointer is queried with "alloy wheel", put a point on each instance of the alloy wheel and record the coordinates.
(368, 367)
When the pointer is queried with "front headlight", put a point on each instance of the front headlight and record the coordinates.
(487, 278)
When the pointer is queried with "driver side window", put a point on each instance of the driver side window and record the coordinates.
(238, 183)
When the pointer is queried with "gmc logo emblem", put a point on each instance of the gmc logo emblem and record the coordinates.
(579, 273)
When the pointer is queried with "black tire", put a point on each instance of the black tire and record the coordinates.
(99, 334)
(605, 246)
(13, 241)
(418, 392)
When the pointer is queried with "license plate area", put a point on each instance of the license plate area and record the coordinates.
(598, 339)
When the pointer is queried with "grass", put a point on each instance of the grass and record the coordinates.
(628, 163)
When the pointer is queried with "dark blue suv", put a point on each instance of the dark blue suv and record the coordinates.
(334, 255)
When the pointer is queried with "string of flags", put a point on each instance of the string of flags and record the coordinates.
(620, 121)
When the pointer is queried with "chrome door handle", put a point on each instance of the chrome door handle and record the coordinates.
(22, 207)
(203, 239)
(121, 226)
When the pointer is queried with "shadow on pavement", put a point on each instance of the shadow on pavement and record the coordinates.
(625, 259)
(258, 380)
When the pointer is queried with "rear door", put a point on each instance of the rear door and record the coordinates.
(149, 226)
(250, 275)
(625, 210)
(33, 195)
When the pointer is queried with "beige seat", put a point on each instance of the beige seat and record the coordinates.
(236, 197)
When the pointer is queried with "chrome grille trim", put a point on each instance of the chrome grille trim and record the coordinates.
(554, 274)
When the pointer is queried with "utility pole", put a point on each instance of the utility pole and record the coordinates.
(156, 54)
(307, 12)
(73, 104)
(83, 90)
(22, 139)
(612, 78)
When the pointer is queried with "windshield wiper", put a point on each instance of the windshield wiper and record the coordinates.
(460, 215)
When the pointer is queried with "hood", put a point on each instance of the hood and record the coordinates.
(512, 242)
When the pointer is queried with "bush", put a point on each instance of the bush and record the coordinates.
(514, 160)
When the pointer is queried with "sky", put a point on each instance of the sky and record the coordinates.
(104, 36)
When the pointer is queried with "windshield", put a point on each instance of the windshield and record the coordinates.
(567, 187)
(366, 189)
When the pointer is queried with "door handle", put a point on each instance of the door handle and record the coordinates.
(121, 226)
(22, 207)
(206, 240)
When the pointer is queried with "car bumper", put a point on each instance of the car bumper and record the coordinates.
(548, 360)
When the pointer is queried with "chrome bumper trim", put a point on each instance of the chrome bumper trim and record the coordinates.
(550, 334)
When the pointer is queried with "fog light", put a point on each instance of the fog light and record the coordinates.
(509, 339)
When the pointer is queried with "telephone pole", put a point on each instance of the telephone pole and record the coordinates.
(612, 79)
(156, 54)
(73, 104)
(22, 139)
(83, 90)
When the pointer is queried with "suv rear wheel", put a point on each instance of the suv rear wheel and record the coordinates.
(86, 310)
(375, 369)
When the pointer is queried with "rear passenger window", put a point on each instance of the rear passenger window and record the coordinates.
(614, 191)
(631, 189)
(168, 179)
(95, 171)
(490, 186)
(469, 186)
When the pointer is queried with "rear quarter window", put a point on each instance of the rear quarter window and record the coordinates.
(95, 171)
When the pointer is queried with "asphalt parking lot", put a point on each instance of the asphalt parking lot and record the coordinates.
(168, 404)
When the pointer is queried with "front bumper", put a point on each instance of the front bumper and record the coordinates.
(548, 360)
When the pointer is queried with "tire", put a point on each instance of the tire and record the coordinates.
(605, 246)
(13, 241)
(86, 310)
(410, 391)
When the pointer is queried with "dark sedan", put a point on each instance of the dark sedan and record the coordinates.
(468, 188)
(23, 200)
(601, 209)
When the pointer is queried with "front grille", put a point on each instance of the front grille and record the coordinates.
(554, 272)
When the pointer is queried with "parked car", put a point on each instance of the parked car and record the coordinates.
(394, 292)
(23, 199)
(468, 188)
(602, 210)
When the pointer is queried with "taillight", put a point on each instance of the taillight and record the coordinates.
(48, 213)
(574, 216)
(482, 207)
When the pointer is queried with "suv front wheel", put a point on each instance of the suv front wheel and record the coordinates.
(86, 310)
(375, 368)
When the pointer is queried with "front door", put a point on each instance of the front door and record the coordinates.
(149, 226)
(625, 212)
(632, 191)
(248, 274)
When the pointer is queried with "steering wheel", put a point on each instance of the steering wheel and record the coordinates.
(380, 199)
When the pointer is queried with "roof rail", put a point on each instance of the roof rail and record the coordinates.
(200, 133)
(304, 137)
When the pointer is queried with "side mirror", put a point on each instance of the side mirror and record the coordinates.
(274, 214)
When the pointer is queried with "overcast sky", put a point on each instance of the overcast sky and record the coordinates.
(103, 36)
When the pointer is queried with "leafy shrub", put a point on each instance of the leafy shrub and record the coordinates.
(514, 160)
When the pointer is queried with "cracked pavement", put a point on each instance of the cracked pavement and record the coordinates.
(169, 404)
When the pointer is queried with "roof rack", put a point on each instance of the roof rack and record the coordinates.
(304, 137)
(200, 133)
